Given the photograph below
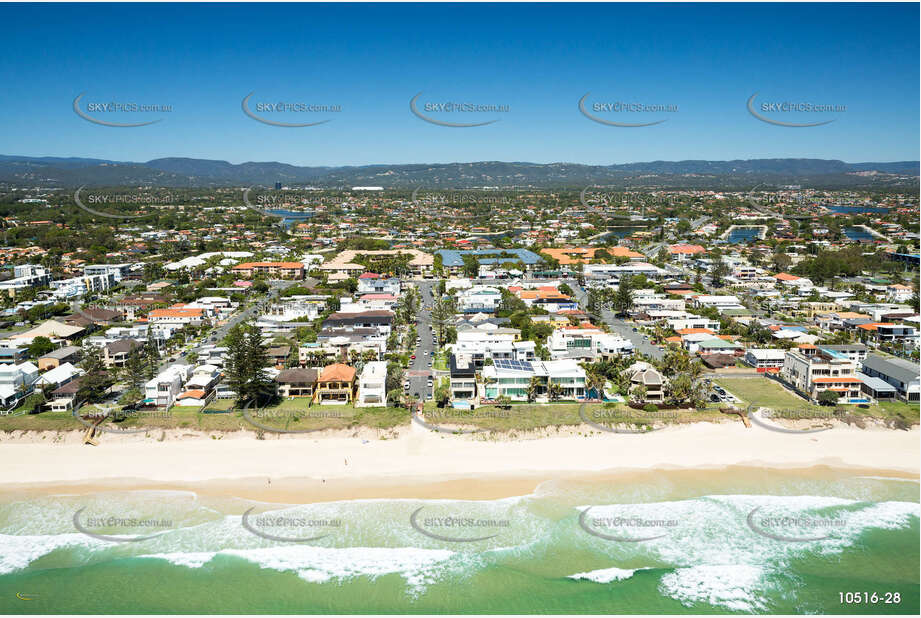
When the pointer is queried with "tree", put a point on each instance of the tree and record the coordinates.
(534, 386)
(828, 398)
(442, 316)
(471, 266)
(718, 271)
(555, 391)
(134, 373)
(153, 354)
(596, 381)
(782, 261)
(96, 382)
(623, 299)
(442, 393)
(40, 346)
(245, 363)
(639, 393)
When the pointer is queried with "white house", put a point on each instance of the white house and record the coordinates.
(372, 385)
(163, 389)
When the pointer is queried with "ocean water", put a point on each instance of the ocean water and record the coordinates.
(738, 540)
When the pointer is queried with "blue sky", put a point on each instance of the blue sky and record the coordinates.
(537, 59)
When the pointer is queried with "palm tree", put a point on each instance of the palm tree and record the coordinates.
(596, 381)
(534, 388)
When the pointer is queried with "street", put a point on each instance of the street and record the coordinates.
(419, 369)
(619, 326)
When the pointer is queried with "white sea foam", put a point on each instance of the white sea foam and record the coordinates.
(731, 586)
(321, 564)
(719, 556)
(605, 576)
(19, 551)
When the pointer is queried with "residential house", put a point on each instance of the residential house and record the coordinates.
(372, 385)
(16, 383)
(645, 375)
(463, 381)
(297, 382)
(335, 384)
(381, 321)
(905, 376)
(116, 353)
(513, 379)
(162, 390)
(765, 360)
(54, 358)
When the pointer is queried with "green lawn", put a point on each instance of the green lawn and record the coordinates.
(768, 393)
(762, 391)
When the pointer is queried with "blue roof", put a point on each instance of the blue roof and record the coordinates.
(453, 257)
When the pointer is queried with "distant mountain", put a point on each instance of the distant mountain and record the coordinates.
(185, 172)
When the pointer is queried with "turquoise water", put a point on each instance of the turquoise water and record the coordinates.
(710, 553)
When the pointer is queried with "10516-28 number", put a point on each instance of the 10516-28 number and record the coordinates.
(871, 598)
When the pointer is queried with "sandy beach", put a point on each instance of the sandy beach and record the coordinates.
(415, 462)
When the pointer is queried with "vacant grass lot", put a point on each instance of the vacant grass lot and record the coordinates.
(762, 391)
(768, 393)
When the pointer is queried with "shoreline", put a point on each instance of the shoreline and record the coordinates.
(364, 463)
(305, 490)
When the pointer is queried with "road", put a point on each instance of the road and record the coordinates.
(619, 326)
(419, 368)
(697, 223)
(218, 334)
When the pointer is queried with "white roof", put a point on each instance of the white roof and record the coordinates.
(767, 353)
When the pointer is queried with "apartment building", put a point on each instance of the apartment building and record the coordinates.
(26, 276)
(694, 322)
(477, 345)
(270, 270)
(721, 303)
(118, 271)
(812, 370)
